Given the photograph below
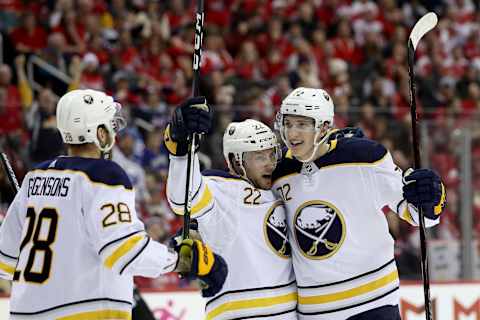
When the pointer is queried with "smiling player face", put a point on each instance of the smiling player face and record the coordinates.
(300, 134)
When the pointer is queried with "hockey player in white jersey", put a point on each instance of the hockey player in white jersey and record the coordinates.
(334, 192)
(238, 215)
(72, 242)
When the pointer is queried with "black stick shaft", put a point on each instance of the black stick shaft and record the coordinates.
(197, 57)
(10, 173)
(417, 164)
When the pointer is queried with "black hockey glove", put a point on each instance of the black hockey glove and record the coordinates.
(195, 258)
(192, 116)
(347, 132)
(424, 188)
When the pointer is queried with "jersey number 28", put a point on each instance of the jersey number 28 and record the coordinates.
(40, 244)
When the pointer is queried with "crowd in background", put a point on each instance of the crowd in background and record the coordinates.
(254, 53)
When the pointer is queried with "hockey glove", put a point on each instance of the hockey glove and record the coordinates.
(347, 132)
(424, 188)
(192, 116)
(197, 259)
(177, 238)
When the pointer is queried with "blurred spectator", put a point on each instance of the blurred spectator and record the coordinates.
(46, 142)
(91, 77)
(155, 155)
(29, 37)
(124, 154)
(157, 228)
(10, 103)
(255, 52)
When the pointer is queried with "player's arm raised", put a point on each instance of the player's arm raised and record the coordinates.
(192, 116)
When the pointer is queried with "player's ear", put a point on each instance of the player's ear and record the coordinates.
(103, 136)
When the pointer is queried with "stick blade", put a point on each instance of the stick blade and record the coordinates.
(424, 25)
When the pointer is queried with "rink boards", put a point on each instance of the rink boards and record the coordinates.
(450, 301)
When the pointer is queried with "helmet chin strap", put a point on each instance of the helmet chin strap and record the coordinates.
(316, 145)
(243, 173)
(106, 150)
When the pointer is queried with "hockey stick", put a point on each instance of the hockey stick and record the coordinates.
(197, 57)
(10, 173)
(424, 25)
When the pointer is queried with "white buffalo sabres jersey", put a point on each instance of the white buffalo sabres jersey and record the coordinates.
(342, 250)
(247, 227)
(71, 242)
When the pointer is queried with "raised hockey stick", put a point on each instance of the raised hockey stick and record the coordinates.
(424, 25)
(197, 57)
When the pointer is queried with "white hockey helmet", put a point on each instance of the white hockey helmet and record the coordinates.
(307, 102)
(245, 136)
(81, 112)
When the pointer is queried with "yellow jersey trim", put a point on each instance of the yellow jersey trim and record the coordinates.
(7, 268)
(99, 315)
(333, 145)
(439, 207)
(122, 250)
(407, 216)
(251, 304)
(289, 154)
(206, 199)
(342, 295)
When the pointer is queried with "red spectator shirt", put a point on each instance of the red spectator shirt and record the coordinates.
(35, 41)
(12, 114)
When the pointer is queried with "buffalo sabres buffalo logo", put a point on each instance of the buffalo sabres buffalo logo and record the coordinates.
(88, 99)
(275, 230)
(319, 229)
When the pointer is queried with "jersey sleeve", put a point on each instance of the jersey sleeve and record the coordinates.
(212, 204)
(10, 235)
(388, 184)
(118, 236)
(203, 200)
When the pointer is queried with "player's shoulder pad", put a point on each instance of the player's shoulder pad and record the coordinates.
(287, 165)
(43, 165)
(98, 170)
(220, 174)
(353, 150)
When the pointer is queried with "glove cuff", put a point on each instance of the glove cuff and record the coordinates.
(203, 259)
(175, 148)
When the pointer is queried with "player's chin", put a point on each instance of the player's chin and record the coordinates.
(265, 182)
(298, 153)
